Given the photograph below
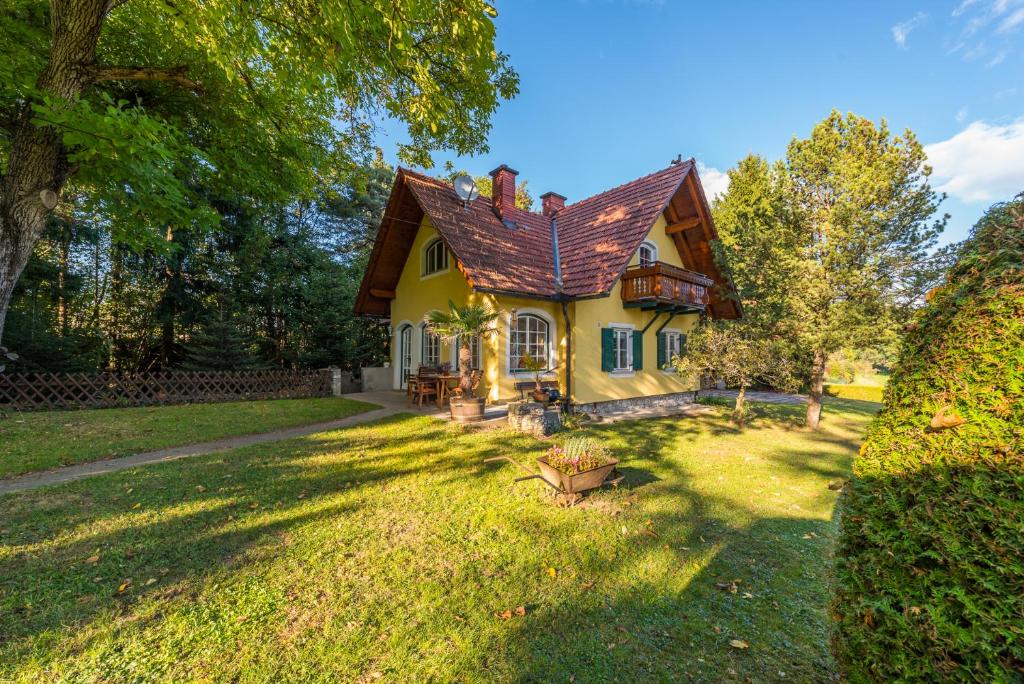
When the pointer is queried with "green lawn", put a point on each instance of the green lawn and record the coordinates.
(37, 441)
(388, 552)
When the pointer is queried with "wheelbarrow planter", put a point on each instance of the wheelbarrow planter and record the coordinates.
(563, 483)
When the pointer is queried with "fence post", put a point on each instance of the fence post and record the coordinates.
(335, 381)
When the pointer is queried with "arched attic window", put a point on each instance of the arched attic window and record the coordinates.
(647, 254)
(435, 257)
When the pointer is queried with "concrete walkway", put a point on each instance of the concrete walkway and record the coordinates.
(390, 403)
(77, 472)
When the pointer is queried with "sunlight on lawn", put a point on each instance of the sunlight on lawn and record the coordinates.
(388, 552)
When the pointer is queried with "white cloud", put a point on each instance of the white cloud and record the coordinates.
(961, 115)
(715, 182)
(902, 30)
(982, 163)
(962, 7)
(1011, 22)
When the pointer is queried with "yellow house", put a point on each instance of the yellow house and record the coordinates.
(603, 290)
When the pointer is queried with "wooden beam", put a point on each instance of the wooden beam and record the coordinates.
(684, 252)
(382, 294)
(684, 224)
(695, 195)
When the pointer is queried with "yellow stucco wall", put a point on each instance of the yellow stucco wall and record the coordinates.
(416, 295)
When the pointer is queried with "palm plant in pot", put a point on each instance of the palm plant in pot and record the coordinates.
(535, 366)
(464, 323)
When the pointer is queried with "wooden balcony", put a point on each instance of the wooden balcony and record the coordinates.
(665, 288)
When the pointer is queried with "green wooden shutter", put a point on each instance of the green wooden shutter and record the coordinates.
(682, 344)
(638, 351)
(661, 351)
(607, 350)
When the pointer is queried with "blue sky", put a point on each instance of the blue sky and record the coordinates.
(611, 90)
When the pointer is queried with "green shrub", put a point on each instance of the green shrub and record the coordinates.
(712, 400)
(930, 562)
(861, 392)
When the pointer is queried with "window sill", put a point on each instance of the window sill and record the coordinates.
(428, 276)
(621, 374)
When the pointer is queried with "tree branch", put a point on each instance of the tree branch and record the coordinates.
(175, 75)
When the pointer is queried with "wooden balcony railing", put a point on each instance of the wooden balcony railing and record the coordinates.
(664, 284)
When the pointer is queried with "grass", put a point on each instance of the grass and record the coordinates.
(390, 552)
(858, 392)
(31, 442)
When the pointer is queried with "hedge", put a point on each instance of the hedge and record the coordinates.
(861, 392)
(930, 562)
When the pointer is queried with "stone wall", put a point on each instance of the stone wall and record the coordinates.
(602, 408)
(534, 418)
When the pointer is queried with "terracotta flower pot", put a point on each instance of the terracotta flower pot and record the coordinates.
(539, 395)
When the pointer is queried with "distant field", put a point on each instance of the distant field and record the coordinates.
(861, 392)
(30, 442)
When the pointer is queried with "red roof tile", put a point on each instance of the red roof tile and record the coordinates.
(596, 237)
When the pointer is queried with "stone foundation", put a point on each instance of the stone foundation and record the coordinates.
(534, 418)
(601, 408)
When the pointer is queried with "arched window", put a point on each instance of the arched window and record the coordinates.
(530, 335)
(435, 257)
(647, 254)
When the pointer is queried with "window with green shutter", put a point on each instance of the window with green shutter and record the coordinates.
(662, 357)
(607, 350)
(638, 351)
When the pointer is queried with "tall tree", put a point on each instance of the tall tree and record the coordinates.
(862, 205)
(141, 102)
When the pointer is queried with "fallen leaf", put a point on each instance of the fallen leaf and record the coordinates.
(835, 486)
(747, 595)
(945, 418)
(200, 488)
(93, 560)
(254, 505)
(151, 581)
(739, 643)
(124, 585)
(718, 630)
(138, 505)
(520, 611)
(504, 615)
(552, 572)
(302, 495)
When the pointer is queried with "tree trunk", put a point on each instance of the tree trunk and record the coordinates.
(466, 370)
(37, 159)
(817, 389)
(737, 410)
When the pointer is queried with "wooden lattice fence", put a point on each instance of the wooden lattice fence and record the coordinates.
(41, 391)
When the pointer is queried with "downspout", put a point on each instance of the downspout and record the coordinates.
(560, 290)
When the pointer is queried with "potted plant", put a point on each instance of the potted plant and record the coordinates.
(535, 366)
(579, 464)
(464, 322)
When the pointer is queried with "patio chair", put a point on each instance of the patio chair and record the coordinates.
(422, 387)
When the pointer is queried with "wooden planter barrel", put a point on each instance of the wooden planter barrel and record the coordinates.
(580, 482)
(467, 410)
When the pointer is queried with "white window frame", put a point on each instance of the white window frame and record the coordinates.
(647, 244)
(396, 347)
(552, 358)
(629, 329)
(476, 349)
(431, 245)
(671, 333)
(428, 339)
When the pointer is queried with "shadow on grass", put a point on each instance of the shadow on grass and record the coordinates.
(652, 611)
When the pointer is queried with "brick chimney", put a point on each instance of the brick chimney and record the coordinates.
(503, 190)
(551, 203)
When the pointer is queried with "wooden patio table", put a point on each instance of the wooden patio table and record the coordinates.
(444, 388)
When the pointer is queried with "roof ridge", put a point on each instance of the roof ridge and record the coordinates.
(688, 162)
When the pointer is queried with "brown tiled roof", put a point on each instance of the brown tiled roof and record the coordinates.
(596, 237)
